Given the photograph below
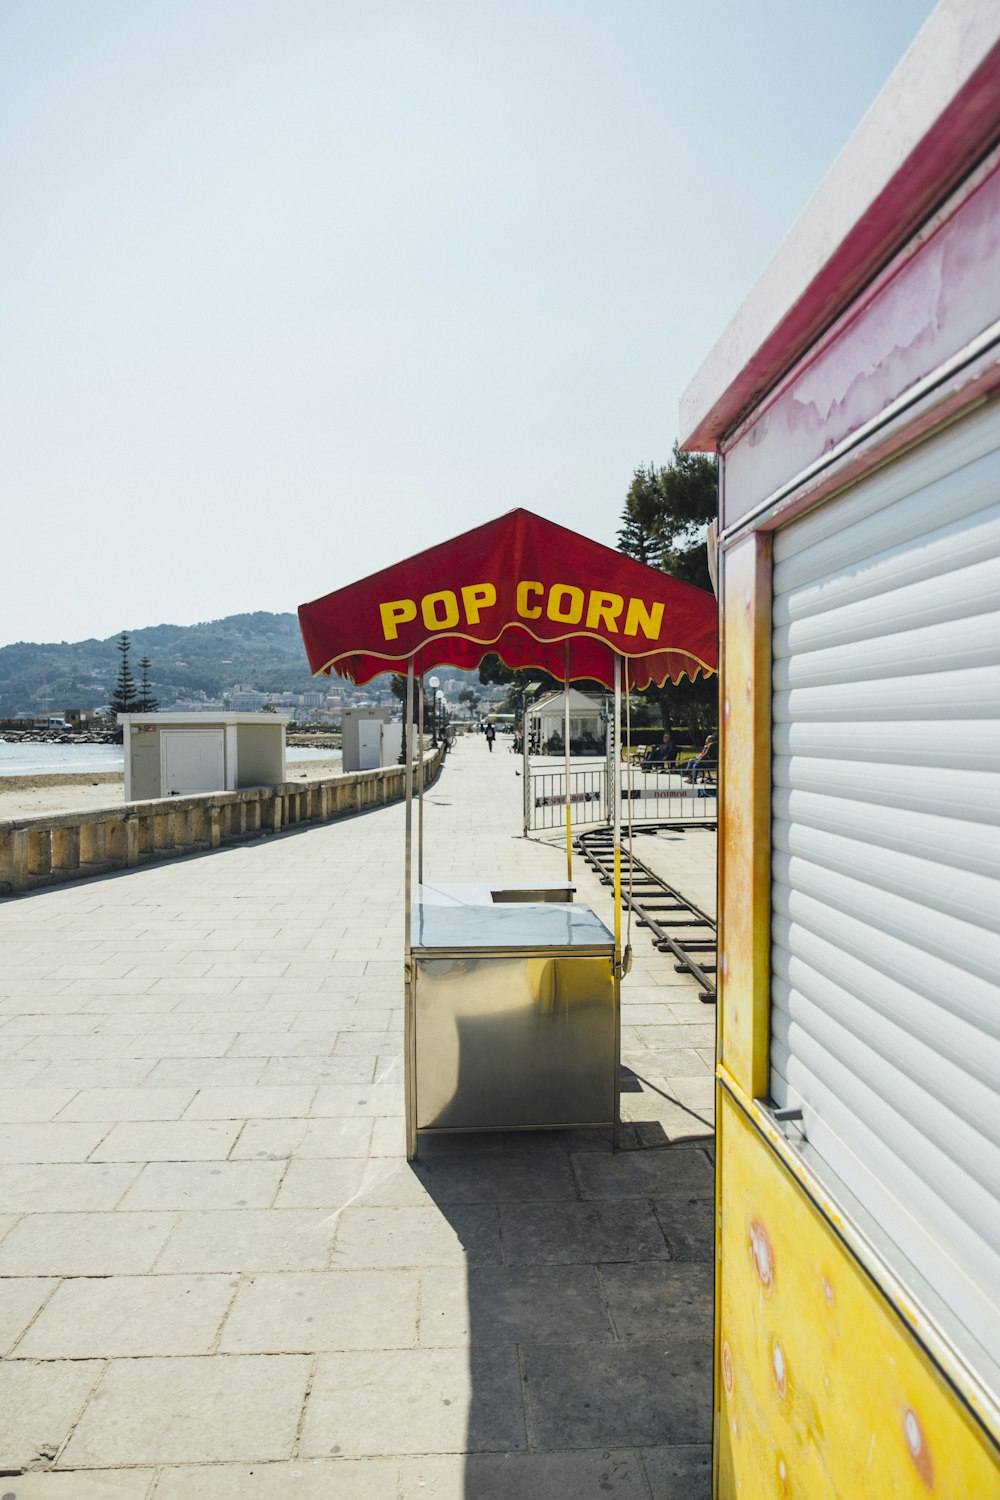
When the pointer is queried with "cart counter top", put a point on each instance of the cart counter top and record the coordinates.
(508, 927)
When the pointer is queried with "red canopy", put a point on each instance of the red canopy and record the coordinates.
(520, 586)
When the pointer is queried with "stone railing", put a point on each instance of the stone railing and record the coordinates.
(46, 850)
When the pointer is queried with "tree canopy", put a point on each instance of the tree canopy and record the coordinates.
(665, 514)
(663, 523)
(124, 699)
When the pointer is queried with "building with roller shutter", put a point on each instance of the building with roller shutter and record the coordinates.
(855, 405)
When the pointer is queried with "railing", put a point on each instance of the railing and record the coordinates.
(588, 795)
(50, 849)
(664, 796)
(650, 796)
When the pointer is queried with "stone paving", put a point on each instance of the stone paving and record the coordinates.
(219, 1278)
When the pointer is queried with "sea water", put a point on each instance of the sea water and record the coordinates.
(19, 759)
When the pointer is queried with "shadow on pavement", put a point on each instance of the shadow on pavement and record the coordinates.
(580, 1317)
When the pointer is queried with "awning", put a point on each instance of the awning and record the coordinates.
(523, 587)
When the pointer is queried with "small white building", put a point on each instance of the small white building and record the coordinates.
(547, 717)
(175, 755)
(368, 739)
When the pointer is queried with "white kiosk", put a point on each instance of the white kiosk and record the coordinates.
(175, 755)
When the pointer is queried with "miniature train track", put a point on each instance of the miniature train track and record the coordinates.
(675, 924)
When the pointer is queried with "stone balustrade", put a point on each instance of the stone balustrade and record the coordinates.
(47, 850)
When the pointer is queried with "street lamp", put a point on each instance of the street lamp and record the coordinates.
(434, 683)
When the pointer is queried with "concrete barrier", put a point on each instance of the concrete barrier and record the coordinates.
(57, 847)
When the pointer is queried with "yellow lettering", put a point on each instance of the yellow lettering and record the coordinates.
(397, 612)
(639, 618)
(524, 609)
(604, 609)
(429, 608)
(476, 597)
(570, 613)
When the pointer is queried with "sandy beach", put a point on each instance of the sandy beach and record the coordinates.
(36, 796)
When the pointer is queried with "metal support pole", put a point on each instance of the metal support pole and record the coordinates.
(410, 1038)
(420, 780)
(617, 826)
(569, 809)
(526, 766)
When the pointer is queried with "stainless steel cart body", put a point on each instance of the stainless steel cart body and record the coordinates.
(512, 1018)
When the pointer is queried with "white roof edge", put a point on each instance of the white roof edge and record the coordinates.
(206, 718)
(956, 39)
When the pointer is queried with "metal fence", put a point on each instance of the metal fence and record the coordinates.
(664, 796)
(649, 797)
(588, 791)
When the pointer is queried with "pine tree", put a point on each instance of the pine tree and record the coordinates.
(665, 513)
(663, 524)
(147, 703)
(123, 698)
(640, 535)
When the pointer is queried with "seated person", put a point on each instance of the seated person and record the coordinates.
(707, 760)
(663, 754)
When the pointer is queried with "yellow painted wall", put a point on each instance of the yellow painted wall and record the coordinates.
(823, 1390)
(744, 831)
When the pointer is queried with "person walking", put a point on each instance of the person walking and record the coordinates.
(491, 735)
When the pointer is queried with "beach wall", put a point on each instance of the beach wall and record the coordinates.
(50, 849)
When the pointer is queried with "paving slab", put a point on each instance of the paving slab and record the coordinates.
(659, 1301)
(279, 1140)
(167, 1140)
(564, 1233)
(153, 1411)
(644, 1174)
(20, 1105)
(414, 1401)
(216, 1185)
(592, 1395)
(324, 1310)
(81, 1484)
(528, 1476)
(27, 1187)
(124, 1316)
(468, 1235)
(680, 1472)
(512, 1305)
(689, 1226)
(20, 1299)
(45, 1142)
(303, 1479)
(39, 1403)
(246, 1240)
(84, 1244)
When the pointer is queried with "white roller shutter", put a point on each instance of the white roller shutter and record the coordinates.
(885, 1018)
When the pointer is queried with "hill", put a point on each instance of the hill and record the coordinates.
(261, 651)
(258, 650)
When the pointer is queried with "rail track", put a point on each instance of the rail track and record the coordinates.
(675, 924)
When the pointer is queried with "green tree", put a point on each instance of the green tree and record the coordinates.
(147, 703)
(124, 699)
(639, 536)
(665, 514)
(663, 524)
(397, 683)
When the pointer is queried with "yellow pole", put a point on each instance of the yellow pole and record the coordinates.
(616, 809)
(569, 816)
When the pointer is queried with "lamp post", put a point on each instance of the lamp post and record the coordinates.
(434, 683)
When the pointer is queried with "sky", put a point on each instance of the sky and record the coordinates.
(292, 289)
